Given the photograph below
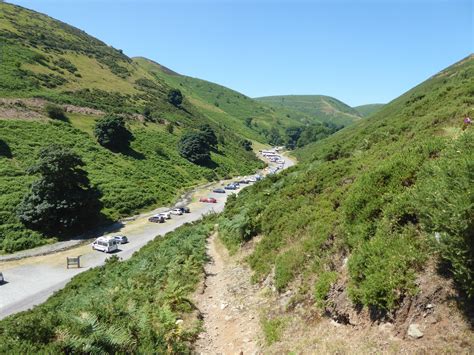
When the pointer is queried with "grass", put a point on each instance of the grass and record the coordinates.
(378, 191)
(122, 307)
(273, 329)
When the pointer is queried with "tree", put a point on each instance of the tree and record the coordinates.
(61, 200)
(293, 134)
(209, 135)
(194, 147)
(247, 145)
(274, 137)
(55, 112)
(170, 127)
(111, 133)
(175, 97)
(248, 121)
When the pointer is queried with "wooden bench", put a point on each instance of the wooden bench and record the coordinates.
(73, 261)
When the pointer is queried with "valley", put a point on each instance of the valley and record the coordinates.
(356, 236)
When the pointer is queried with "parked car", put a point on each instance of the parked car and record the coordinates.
(121, 239)
(176, 211)
(166, 215)
(230, 187)
(245, 181)
(105, 244)
(2, 280)
(185, 209)
(219, 191)
(157, 219)
(208, 199)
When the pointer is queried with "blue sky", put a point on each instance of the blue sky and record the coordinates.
(361, 51)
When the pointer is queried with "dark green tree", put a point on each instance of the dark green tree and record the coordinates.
(274, 137)
(170, 127)
(55, 112)
(61, 200)
(292, 134)
(248, 121)
(247, 145)
(175, 97)
(209, 135)
(111, 133)
(194, 147)
(147, 113)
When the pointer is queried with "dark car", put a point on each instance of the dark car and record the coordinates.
(2, 280)
(185, 209)
(157, 219)
(230, 187)
(219, 191)
(121, 239)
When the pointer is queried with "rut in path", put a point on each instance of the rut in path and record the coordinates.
(229, 304)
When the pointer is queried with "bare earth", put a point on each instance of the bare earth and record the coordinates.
(229, 304)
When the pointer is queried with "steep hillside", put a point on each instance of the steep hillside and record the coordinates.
(44, 61)
(318, 107)
(367, 110)
(374, 225)
(250, 118)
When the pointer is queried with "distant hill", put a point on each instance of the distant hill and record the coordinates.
(367, 110)
(319, 107)
(226, 106)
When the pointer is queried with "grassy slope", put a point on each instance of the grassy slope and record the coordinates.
(225, 106)
(321, 108)
(367, 110)
(45, 58)
(376, 191)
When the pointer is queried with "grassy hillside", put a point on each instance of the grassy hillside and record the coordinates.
(318, 107)
(44, 60)
(367, 110)
(367, 209)
(226, 106)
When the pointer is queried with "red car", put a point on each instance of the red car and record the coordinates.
(208, 199)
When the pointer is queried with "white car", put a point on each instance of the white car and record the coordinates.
(166, 215)
(177, 211)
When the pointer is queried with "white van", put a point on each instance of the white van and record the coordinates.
(105, 244)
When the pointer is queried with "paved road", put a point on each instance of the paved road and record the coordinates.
(30, 281)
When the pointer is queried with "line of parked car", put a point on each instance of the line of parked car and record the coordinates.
(163, 216)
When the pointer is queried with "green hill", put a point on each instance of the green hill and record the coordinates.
(44, 61)
(367, 110)
(244, 115)
(318, 107)
(359, 223)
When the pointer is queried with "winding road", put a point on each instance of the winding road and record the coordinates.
(31, 280)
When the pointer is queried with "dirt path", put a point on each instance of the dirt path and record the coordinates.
(229, 304)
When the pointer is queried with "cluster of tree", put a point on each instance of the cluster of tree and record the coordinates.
(175, 97)
(196, 146)
(62, 199)
(297, 137)
(55, 112)
(111, 133)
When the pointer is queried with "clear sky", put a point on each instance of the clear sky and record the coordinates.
(361, 51)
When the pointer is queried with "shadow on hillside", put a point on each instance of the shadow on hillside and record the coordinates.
(5, 150)
(130, 152)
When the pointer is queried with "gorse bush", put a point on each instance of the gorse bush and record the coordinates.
(121, 307)
(55, 112)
